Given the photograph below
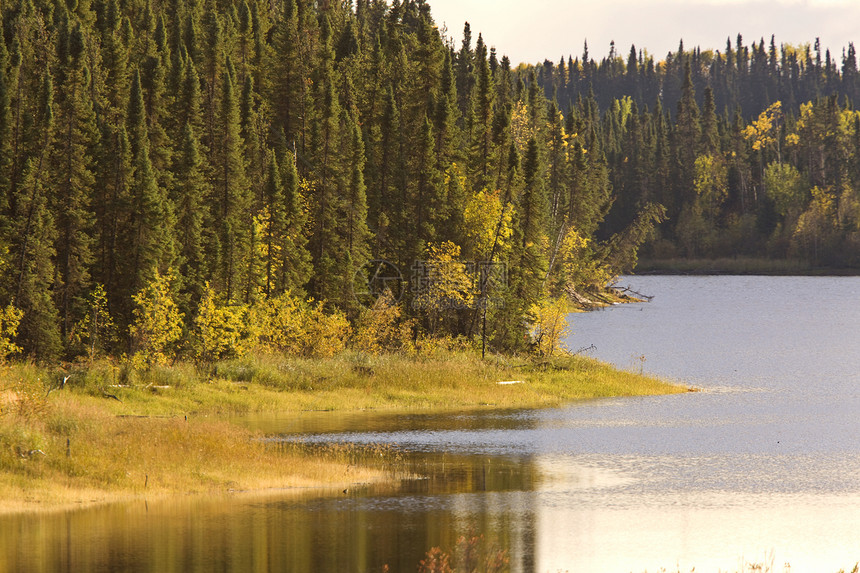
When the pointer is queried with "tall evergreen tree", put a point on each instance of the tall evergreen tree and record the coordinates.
(73, 182)
(231, 197)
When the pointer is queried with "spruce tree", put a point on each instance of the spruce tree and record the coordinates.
(190, 195)
(232, 201)
(74, 182)
(32, 243)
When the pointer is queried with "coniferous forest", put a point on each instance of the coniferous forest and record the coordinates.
(185, 177)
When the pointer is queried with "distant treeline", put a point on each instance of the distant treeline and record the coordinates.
(753, 151)
(744, 78)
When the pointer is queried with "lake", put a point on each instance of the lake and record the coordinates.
(761, 466)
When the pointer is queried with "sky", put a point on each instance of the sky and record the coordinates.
(534, 30)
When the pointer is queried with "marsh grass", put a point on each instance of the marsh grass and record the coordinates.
(81, 453)
(110, 432)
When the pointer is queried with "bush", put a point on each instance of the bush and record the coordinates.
(290, 325)
(380, 329)
(157, 325)
(10, 318)
(549, 325)
(223, 331)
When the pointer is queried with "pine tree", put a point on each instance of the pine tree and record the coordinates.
(231, 197)
(5, 141)
(710, 133)
(74, 181)
(481, 151)
(148, 220)
(32, 245)
(464, 67)
(530, 230)
(295, 259)
(687, 136)
(192, 211)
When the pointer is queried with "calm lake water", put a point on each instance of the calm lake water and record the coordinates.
(762, 465)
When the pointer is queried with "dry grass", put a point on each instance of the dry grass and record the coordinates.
(76, 451)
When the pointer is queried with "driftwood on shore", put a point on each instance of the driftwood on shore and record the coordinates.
(630, 292)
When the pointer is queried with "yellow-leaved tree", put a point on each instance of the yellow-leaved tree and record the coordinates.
(10, 317)
(815, 233)
(488, 224)
(381, 329)
(711, 184)
(223, 330)
(578, 268)
(442, 284)
(157, 325)
(549, 325)
(764, 131)
(96, 329)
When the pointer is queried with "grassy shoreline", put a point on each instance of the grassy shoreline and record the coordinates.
(110, 434)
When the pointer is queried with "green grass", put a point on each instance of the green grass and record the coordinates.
(112, 433)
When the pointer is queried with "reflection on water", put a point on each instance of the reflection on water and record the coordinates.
(765, 458)
(362, 530)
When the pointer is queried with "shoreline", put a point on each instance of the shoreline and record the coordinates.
(738, 266)
(92, 443)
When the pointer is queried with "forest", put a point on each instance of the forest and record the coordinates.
(196, 178)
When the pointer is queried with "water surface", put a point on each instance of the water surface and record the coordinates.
(765, 460)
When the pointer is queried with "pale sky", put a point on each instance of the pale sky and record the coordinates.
(534, 30)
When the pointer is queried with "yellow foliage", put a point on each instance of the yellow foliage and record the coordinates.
(324, 334)
(443, 282)
(578, 265)
(817, 223)
(10, 317)
(157, 325)
(290, 325)
(454, 172)
(439, 346)
(711, 182)
(263, 224)
(379, 328)
(224, 331)
(96, 328)
(818, 216)
(280, 322)
(805, 119)
(761, 131)
(521, 129)
(481, 219)
(549, 325)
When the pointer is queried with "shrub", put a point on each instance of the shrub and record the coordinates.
(157, 325)
(280, 322)
(302, 328)
(10, 317)
(323, 334)
(549, 325)
(380, 329)
(223, 330)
